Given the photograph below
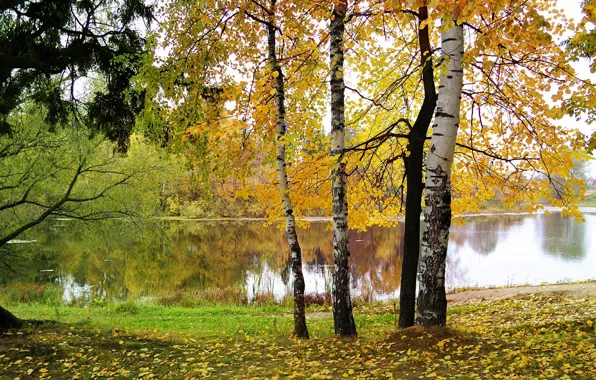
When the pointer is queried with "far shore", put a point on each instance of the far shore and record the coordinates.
(315, 219)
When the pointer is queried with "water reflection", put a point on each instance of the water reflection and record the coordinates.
(119, 260)
(483, 233)
(522, 249)
(565, 238)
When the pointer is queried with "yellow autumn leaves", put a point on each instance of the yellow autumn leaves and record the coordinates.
(536, 337)
(518, 81)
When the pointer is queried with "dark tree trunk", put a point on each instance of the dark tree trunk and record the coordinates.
(342, 303)
(407, 296)
(8, 320)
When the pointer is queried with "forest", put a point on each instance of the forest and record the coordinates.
(306, 188)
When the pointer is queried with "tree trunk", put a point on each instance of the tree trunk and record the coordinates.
(300, 329)
(342, 303)
(8, 320)
(432, 302)
(417, 137)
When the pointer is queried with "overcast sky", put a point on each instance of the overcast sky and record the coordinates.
(572, 9)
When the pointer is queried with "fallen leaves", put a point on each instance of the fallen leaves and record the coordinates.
(535, 337)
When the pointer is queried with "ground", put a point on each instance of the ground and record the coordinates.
(548, 334)
(576, 290)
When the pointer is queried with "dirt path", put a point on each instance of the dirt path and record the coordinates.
(582, 290)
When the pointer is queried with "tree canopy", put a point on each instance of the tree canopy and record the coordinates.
(47, 45)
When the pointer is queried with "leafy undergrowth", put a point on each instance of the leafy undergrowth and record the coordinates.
(545, 336)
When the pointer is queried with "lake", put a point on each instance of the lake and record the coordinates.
(121, 260)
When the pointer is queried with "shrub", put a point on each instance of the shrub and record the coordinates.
(127, 307)
(318, 299)
(45, 293)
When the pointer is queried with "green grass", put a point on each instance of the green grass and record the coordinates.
(184, 322)
(547, 336)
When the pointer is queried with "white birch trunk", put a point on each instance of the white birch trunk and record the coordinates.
(300, 328)
(432, 302)
(342, 304)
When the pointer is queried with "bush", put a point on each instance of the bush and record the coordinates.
(264, 298)
(49, 294)
(319, 299)
(127, 307)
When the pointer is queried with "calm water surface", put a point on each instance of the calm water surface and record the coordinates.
(122, 260)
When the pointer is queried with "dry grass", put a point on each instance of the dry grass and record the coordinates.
(204, 297)
(48, 294)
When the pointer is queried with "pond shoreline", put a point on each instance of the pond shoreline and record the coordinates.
(318, 219)
(573, 290)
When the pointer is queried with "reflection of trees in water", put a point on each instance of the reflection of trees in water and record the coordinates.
(456, 273)
(375, 255)
(119, 258)
(28, 262)
(562, 236)
(483, 233)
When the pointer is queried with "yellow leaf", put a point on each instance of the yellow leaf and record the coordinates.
(275, 74)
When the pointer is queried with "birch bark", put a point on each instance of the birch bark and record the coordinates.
(300, 328)
(342, 304)
(432, 302)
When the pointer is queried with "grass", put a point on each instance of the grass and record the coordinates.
(26, 293)
(51, 294)
(547, 336)
(183, 322)
(204, 297)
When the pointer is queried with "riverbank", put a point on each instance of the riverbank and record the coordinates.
(549, 334)
(584, 208)
(585, 289)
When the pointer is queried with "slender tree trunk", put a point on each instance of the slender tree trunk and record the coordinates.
(8, 320)
(432, 302)
(342, 303)
(407, 292)
(300, 329)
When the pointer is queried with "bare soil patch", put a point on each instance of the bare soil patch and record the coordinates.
(578, 290)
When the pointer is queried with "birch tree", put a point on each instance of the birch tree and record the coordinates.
(432, 302)
(342, 303)
(300, 328)
(253, 129)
